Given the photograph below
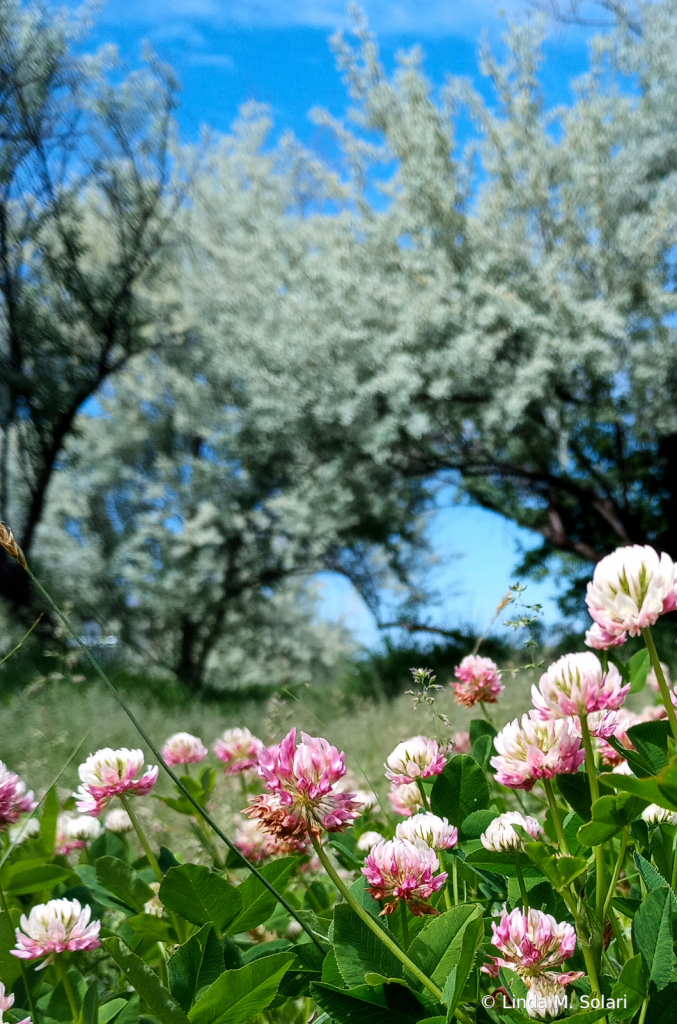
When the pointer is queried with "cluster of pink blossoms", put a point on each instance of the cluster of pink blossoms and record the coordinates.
(576, 684)
(301, 797)
(414, 759)
(532, 944)
(109, 773)
(531, 748)
(630, 589)
(14, 800)
(183, 748)
(479, 681)
(238, 750)
(56, 927)
(406, 799)
(398, 869)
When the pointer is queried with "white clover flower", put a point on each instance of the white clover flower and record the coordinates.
(367, 840)
(434, 831)
(501, 836)
(118, 821)
(654, 815)
(630, 589)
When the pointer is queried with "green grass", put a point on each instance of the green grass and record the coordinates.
(42, 725)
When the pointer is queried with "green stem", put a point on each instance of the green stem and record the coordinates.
(660, 677)
(29, 993)
(645, 1007)
(172, 775)
(520, 879)
(600, 870)
(454, 875)
(424, 795)
(556, 819)
(615, 876)
(371, 923)
(152, 859)
(447, 897)
(405, 924)
(68, 989)
(674, 867)
(484, 711)
(243, 788)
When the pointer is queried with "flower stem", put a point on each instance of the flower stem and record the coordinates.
(152, 859)
(556, 819)
(600, 870)
(371, 923)
(617, 871)
(645, 1007)
(68, 989)
(424, 795)
(405, 924)
(660, 677)
(454, 875)
(520, 879)
(172, 775)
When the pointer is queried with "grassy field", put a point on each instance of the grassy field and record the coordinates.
(42, 725)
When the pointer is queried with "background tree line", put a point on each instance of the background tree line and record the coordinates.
(224, 368)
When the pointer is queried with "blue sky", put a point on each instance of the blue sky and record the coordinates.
(226, 52)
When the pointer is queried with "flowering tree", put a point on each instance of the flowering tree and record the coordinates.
(505, 320)
(559, 831)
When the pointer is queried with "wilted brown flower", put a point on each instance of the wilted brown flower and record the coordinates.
(11, 547)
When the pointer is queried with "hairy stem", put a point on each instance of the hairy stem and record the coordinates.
(68, 989)
(152, 859)
(520, 879)
(600, 870)
(424, 795)
(615, 876)
(556, 819)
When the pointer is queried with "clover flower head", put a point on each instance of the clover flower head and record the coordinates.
(631, 588)
(118, 821)
(545, 995)
(601, 640)
(109, 773)
(405, 799)
(576, 684)
(531, 943)
(397, 869)
(479, 681)
(74, 833)
(501, 836)
(238, 749)
(529, 748)
(654, 815)
(431, 829)
(367, 840)
(417, 758)
(55, 927)
(301, 780)
(182, 748)
(14, 800)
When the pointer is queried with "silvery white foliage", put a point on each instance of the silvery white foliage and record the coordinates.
(507, 325)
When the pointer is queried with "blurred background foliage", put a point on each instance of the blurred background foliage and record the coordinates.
(227, 367)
